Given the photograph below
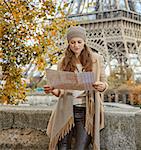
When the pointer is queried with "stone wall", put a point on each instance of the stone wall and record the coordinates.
(122, 128)
(24, 127)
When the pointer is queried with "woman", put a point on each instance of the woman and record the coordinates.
(78, 113)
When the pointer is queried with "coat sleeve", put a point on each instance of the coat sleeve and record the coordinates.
(103, 77)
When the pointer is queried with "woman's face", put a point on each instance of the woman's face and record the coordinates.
(76, 44)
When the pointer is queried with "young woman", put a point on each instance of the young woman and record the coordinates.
(78, 113)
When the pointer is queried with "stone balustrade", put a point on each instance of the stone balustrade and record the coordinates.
(125, 97)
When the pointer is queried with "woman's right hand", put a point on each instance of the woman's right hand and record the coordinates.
(48, 89)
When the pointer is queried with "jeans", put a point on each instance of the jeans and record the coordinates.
(82, 139)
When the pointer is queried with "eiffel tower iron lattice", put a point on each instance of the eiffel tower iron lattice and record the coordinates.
(113, 28)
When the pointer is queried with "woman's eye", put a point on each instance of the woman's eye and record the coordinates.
(78, 42)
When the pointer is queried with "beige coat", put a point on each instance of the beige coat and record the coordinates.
(62, 120)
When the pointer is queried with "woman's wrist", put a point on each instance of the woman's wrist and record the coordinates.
(104, 87)
(56, 92)
(99, 86)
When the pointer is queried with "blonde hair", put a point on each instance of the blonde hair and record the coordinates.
(68, 62)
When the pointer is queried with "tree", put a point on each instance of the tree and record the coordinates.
(29, 31)
(121, 75)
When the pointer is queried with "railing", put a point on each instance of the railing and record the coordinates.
(113, 14)
(125, 97)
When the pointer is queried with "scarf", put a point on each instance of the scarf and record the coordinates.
(62, 119)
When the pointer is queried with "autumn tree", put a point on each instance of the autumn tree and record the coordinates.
(29, 31)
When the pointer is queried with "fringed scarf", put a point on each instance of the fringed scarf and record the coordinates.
(62, 119)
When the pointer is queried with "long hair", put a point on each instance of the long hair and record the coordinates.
(68, 63)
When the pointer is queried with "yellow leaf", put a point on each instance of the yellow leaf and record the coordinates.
(53, 32)
(4, 99)
(1, 31)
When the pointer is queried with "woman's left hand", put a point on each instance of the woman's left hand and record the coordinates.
(99, 86)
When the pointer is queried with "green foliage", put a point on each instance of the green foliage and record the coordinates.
(24, 22)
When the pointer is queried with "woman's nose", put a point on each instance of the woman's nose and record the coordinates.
(76, 45)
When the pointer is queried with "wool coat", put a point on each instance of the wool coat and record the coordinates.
(62, 119)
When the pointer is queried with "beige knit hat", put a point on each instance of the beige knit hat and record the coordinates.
(76, 31)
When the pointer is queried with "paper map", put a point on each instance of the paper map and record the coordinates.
(70, 80)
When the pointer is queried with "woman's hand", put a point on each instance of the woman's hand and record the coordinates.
(99, 86)
(48, 89)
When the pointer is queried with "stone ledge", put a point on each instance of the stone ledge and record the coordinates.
(23, 139)
(138, 130)
(122, 127)
(24, 117)
(120, 132)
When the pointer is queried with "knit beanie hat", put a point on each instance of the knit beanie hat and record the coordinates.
(76, 31)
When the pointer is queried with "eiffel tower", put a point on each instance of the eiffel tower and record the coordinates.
(113, 29)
